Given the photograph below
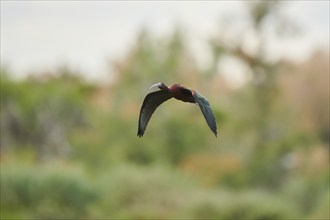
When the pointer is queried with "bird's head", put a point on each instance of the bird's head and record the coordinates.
(160, 85)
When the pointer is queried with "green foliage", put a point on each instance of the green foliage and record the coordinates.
(26, 119)
(159, 193)
(252, 205)
(44, 193)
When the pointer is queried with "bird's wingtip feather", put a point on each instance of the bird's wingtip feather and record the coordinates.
(140, 134)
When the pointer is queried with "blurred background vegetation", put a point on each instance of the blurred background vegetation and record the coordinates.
(69, 147)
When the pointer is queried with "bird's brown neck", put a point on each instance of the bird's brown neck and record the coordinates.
(181, 93)
(175, 87)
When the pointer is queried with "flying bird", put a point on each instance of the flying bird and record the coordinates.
(155, 99)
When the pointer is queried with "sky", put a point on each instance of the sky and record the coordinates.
(86, 35)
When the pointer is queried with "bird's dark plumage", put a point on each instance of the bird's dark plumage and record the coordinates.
(150, 103)
(204, 105)
(154, 99)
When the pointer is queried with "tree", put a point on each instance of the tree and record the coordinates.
(264, 17)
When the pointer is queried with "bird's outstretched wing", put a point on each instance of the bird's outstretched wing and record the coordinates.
(150, 103)
(204, 105)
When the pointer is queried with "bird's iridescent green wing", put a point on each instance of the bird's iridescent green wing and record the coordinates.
(150, 104)
(204, 105)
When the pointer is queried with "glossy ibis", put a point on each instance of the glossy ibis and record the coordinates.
(154, 99)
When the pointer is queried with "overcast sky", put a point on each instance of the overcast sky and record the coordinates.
(41, 35)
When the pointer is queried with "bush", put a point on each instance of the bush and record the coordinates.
(136, 192)
(44, 193)
(159, 193)
(249, 205)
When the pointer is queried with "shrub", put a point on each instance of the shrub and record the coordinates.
(44, 193)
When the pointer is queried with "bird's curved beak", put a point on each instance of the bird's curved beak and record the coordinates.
(156, 85)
